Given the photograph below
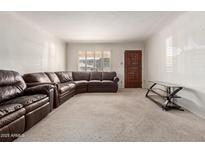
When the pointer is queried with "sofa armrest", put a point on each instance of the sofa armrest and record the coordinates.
(39, 83)
(47, 89)
(116, 79)
(40, 89)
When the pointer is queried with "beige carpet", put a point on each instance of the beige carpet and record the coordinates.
(123, 116)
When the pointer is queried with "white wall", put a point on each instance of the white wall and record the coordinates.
(117, 55)
(176, 54)
(25, 47)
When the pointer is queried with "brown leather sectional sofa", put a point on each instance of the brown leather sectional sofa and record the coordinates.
(26, 100)
(68, 84)
(21, 107)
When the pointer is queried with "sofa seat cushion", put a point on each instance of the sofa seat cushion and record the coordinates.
(65, 87)
(94, 83)
(27, 100)
(9, 108)
(36, 105)
(107, 82)
(8, 118)
(81, 83)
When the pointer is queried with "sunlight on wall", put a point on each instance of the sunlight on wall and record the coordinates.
(169, 54)
(26, 48)
(49, 60)
(52, 54)
(179, 58)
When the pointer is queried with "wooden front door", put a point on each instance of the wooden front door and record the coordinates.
(133, 69)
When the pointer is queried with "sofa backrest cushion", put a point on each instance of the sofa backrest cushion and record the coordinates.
(11, 85)
(81, 76)
(64, 76)
(95, 75)
(108, 75)
(53, 77)
(36, 77)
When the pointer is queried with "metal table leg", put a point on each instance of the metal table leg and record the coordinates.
(170, 95)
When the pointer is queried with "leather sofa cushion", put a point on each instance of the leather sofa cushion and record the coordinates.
(95, 75)
(64, 76)
(81, 76)
(36, 77)
(11, 117)
(108, 75)
(107, 82)
(53, 77)
(40, 89)
(11, 85)
(65, 87)
(94, 83)
(9, 77)
(9, 108)
(26, 100)
(36, 105)
(81, 83)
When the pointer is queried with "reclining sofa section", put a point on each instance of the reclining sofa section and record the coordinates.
(21, 107)
(68, 84)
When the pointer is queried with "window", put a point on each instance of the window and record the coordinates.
(82, 61)
(98, 61)
(90, 61)
(94, 60)
(106, 60)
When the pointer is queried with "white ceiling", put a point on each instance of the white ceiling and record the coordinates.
(82, 26)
